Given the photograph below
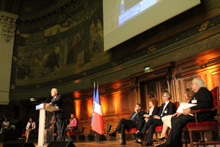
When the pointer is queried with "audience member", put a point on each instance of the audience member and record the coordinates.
(5, 125)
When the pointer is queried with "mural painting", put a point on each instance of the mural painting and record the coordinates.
(62, 50)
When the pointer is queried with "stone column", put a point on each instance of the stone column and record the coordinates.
(7, 32)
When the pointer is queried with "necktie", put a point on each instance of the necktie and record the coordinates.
(132, 118)
(164, 109)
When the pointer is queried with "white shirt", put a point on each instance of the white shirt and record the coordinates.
(151, 111)
(165, 105)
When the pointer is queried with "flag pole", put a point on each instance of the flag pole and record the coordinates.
(98, 123)
(97, 134)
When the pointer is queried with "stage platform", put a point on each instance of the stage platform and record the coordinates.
(109, 144)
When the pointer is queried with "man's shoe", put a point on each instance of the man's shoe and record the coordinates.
(113, 134)
(147, 144)
(123, 143)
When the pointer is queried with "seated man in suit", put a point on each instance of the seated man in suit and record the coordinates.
(136, 121)
(167, 108)
(203, 99)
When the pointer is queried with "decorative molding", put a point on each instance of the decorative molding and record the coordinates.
(8, 23)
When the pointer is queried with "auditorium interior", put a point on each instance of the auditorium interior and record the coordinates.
(59, 44)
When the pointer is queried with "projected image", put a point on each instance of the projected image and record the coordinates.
(124, 19)
(130, 8)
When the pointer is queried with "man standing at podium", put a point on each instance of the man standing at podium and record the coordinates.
(59, 115)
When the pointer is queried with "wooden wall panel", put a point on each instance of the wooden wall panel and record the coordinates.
(205, 65)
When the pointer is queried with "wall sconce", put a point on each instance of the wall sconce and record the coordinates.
(109, 128)
(147, 69)
(82, 129)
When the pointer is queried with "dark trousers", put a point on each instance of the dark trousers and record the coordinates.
(151, 124)
(178, 123)
(60, 123)
(125, 124)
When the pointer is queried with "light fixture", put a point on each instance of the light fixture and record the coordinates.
(147, 68)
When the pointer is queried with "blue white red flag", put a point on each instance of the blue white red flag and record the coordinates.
(97, 118)
(93, 104)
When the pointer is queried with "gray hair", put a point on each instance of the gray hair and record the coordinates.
(199, 82)
(55, 89)
(167, 94)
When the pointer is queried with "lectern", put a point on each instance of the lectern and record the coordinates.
(42, 115)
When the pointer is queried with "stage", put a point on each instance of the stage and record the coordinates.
(108, 144)
(103, 144)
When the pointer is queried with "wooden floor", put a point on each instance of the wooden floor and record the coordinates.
(107, 144)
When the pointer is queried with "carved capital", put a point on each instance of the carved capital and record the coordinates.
(8, 25)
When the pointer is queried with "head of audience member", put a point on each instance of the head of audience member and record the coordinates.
(153, 102)
(54, 92)
(189, 94)
(197, 83)
(30, 120)
(72, 116)
(166, 96)
(138, 107)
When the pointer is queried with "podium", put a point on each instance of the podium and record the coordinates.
(42, 117)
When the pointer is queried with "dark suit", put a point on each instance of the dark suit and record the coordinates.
(152, 122)
(59, 116)
(135, 121)
(155, 111)
(204, 100)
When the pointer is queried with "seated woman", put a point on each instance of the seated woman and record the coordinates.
(154, 109)
(167, 119)
(30, 128)
(73, 124)
(5, 125)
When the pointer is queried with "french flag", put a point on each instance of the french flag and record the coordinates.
(97, 124)
(94, 97)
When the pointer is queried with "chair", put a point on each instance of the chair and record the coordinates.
(32, 135)
(131, 130)
(208, 125)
